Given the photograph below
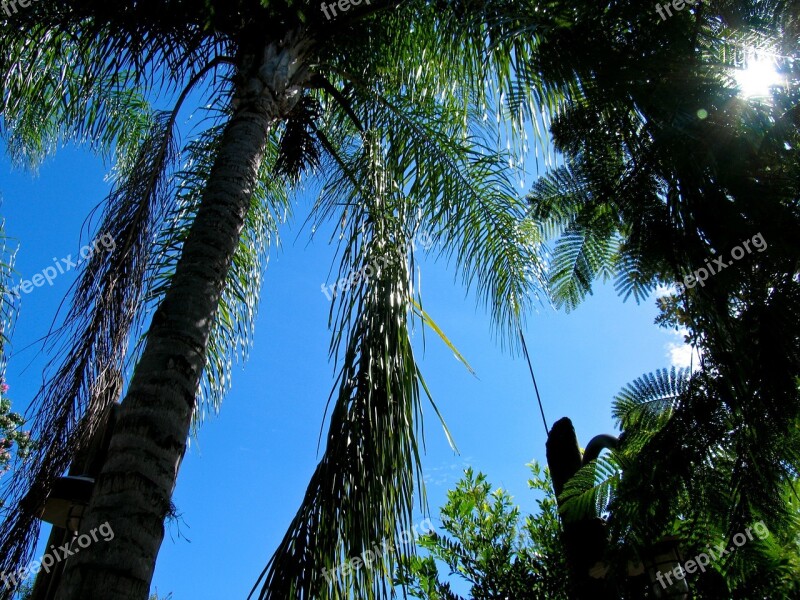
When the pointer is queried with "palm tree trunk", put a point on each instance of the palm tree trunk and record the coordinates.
(88, 463)
(132, 494)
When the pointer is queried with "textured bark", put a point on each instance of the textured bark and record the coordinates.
(585, 539)
(88, 462)
(133, 491)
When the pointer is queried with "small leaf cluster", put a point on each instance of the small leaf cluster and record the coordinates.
(491, 546)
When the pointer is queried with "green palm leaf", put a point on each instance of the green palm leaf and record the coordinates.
(95, 336)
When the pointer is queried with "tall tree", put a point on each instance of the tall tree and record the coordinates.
(386, 96)
(672, 177)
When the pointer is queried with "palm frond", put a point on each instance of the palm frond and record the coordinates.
(71, 98)
(360, 496)
(468, 202)
(94, 338)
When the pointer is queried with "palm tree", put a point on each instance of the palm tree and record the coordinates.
(391, 99)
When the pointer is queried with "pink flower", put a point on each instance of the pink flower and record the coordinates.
(3, 387)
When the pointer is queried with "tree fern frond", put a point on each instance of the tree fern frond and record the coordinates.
(556, 199)
(643, 402)
(590, 491)
(563, 205)
(580, 256)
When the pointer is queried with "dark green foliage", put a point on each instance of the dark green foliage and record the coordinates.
(690, 495)
(666, 168)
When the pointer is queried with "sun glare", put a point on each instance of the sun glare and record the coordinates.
(757, 78)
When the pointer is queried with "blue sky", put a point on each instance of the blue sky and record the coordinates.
(244, 475)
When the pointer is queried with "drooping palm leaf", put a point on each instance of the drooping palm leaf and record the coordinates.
(360, 494)
(95, 335)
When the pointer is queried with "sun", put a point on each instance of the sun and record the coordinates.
(757, 78)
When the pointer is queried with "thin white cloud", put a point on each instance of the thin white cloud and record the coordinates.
(447, 474)
(664, 290)
(681, 354)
